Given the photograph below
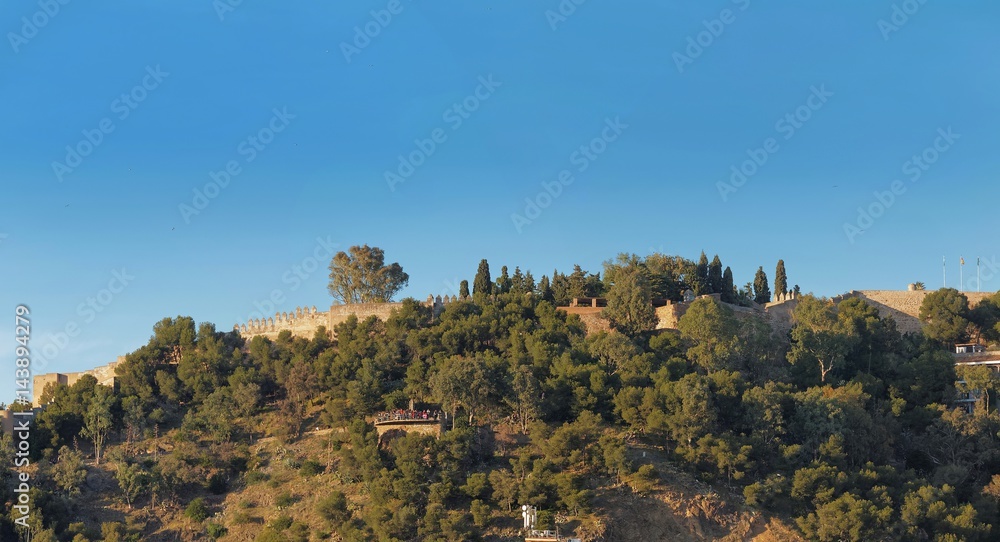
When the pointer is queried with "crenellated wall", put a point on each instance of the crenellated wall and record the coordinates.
(304, 321)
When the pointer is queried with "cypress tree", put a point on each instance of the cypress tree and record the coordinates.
(780, 279)
(702, 272)
(715, 276)
(482, 286)
(463, 289)
(728, 288)
(503, 282)
(761, 289)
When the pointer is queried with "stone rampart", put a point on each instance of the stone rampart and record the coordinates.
(105, 375)
(304, 321)
(903, 306)
(340, 313)
(390, 430)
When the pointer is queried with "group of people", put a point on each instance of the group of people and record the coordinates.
(407, 414)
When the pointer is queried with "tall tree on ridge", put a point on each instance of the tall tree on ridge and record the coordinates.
(362, 276)
(504, 283)
(728, 288)
(761, 289)
(715, 276)
(780, 279)
(703, 286)
(482, 286)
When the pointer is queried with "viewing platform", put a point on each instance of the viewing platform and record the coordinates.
(397, 423)
(542, 536)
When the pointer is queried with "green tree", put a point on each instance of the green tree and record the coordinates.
(780, 279)
(482, 286)
(545, 290)
(362, 276)
(504, 282)
(463, 289)
(132, 479)
(699, 282)
(819, 337)
(761, 290)
(711, 330)
(716, 282)
(986, 319)
(97, 421)
(463, 383)
(728, 287)
(630, 308)
(945, 314)
(525, 399)
(69, 472)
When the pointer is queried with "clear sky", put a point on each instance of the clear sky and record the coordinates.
(311, 104)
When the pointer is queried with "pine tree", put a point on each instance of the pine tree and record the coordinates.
(529, 282)
(517, 282)
(463, 289)
(482, 286)
(545, 290)
(761, 289)
(728, 288)
(715, 276)
(780, 279)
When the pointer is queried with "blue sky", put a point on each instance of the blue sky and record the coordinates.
(531, 88)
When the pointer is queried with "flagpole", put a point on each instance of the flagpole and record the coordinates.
(979, 275)
(944, 267)
(961, 274)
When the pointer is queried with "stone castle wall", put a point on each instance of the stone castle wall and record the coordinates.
(340, 313)
(904, 307)
(304, 321)
(104, 374)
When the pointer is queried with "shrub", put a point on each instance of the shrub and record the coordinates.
(333, 508)
(242, 518)
(217, 484)
(284, 499)
(197, 510)
(281, 522)
(255, 476)
(310, 468)
(216, 531)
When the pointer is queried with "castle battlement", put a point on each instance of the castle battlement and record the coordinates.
(304, 321)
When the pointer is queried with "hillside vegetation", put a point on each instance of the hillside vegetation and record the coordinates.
(841, 429)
